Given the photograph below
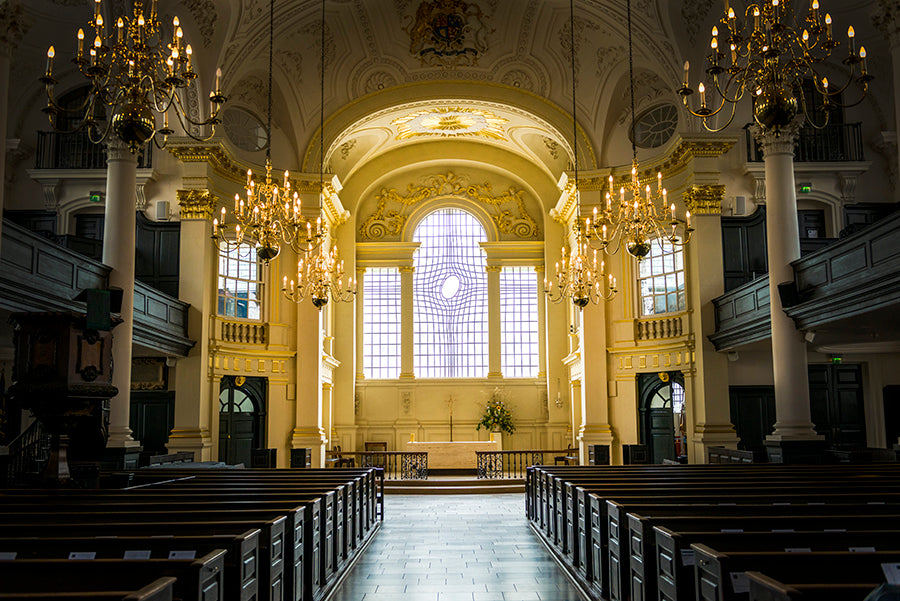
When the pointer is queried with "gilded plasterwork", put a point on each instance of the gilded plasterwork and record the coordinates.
(704, 200)
(196, 204)
(450, 122)
(448, 33)
(508, 208)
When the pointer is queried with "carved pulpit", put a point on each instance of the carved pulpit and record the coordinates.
(63, 375)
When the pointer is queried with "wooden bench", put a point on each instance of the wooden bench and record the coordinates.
(722, 576)
(158, 590)
(200, 579)
(763, 588)
(675, 558)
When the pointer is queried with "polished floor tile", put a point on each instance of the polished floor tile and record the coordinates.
(456, 548)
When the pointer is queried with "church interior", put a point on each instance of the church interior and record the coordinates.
(461, 228)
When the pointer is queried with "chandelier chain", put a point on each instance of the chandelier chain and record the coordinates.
(631, 80)
(269, 113)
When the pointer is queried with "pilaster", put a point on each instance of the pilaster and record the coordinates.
(407, 336)
(595, 427)
(494, 331)
(194, 386)
(13, 26)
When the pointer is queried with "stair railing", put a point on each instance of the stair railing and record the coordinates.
(28, 453)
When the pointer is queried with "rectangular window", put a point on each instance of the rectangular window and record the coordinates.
(519, 322)
(381, 323)
(661, 279)
(240, 282)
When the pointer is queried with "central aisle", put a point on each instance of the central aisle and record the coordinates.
(456, 547)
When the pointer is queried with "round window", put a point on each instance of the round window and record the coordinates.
(654, 127)
(244, 130)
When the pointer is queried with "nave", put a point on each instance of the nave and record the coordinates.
(455, 548)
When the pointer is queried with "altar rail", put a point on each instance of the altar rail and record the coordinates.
(496, 465)
(397, 465)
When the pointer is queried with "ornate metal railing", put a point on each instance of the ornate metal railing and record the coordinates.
(496, 465)
(28, 453)
(58, 150)
(835, 143)
(397, 465)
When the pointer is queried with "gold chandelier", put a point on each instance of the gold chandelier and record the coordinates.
(770, 52)
(135, 73)
(270, 215)
(639, 215)
(321, 276)
(579, 278)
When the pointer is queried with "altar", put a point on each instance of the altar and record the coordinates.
(457, 455)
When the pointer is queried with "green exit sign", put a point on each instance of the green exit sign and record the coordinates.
(805, 189)
(96, 197)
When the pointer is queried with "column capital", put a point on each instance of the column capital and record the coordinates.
(117, 150)
(704, 199)
(406, 269)
(887, 19)
(778, 141)
(14, 24)
(196, 204)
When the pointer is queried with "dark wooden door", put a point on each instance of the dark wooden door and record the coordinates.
(662, 433)
(753, 414)
(744, 248)
(242, 403)
(836, 404)
(156, 257)
(152, 418)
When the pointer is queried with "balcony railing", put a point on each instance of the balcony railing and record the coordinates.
(75, 150)
(835, 143)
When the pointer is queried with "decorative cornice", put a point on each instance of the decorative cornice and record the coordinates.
(704, 199)
(393, 207)
(215, 155)
(196, 204)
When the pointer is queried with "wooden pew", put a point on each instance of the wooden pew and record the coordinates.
(198, 579)
(675, 557)
(158, 590)
(763, 588)
(242, 557)
(722, 576)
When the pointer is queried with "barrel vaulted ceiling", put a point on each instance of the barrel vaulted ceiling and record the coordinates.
(492, 74)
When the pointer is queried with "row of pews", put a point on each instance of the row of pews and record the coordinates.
(720, 532)
(193, 535)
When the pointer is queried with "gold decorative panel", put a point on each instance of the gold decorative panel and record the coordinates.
(705, 199)
(196, 204)
(450, 122)
(508, 208)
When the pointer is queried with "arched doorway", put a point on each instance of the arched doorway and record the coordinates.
(242, 418)
(662, 415)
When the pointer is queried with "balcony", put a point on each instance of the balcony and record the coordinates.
(834, 144)
(38, 275)
(56, 150)
(847, 295)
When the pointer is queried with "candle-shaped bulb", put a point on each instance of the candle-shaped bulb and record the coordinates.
(98, 42)
(862, 56)
(828, 24)
(218, 77)
(100, 21)
(51, 52)
(178, 35)
(140, 20)
(815, 4)
(120, 28)
(851, 34)
(687, 68)
(825, 84)
(702, 89)
(659, 180)
(805, 37)
(80, 42)
(672, 208)
(715, 31)
(731, 15)
(687, 216)
(175, 22)
(714, 44)
(284, 283)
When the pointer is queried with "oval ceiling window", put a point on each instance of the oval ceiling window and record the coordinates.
(450, 287)
(655, 127)
(243, 129)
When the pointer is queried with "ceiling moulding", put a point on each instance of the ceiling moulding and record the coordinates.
(507, 209)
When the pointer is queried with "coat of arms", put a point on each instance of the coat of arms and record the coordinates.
(448, 33)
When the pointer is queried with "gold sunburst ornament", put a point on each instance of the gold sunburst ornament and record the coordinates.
(450, 123)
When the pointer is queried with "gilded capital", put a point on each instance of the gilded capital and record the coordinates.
(704, 199)
(778, 141)
(196, 204)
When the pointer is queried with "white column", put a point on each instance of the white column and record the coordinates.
(783, 240)
(407, 338)
(12, 27)
(118, 253)
(494, 332)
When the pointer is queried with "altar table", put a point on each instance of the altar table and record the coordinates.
(451, 454)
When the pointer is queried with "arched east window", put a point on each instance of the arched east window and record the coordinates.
(450, 297)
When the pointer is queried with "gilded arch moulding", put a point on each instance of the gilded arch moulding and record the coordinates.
(507, 208)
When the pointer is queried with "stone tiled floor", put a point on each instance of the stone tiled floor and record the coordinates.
(456, 547)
